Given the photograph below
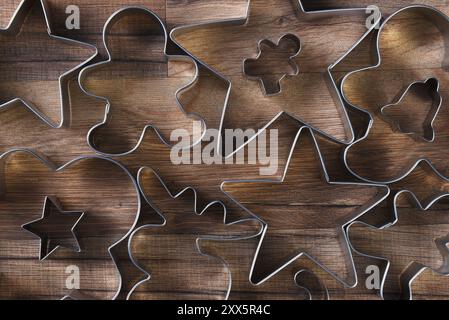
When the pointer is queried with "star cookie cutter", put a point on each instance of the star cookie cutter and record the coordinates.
(84, 74)
(341, 239)
(428, 132)
(46, 245)
(13, 29)
(414, 268)
(274, 33)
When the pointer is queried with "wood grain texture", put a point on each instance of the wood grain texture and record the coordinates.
(110, 202)
(30, 66)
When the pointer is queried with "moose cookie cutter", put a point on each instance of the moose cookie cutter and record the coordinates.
(46, 248)
(164, 220)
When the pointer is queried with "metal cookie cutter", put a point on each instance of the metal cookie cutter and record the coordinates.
(277, 28)
(430, 146)
(309, 219)
(439, 284)
(432, 88)
(294, 282)
(84, 74)
(47, 245)
(406, 269)
(13, 29)
(424, 182)
(275, 86)
(52, 168)
(175, 225)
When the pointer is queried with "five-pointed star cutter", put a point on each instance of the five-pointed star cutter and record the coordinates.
(284, 20)
(13, 29)
(337, 218)
(48, 243)
(414, 268)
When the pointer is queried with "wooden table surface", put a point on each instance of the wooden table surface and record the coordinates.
(31, 64)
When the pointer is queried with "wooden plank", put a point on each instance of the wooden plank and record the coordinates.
(141, 82)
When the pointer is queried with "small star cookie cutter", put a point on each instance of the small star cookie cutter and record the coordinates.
(46, 246)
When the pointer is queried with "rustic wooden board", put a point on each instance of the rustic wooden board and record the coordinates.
(26, 183)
